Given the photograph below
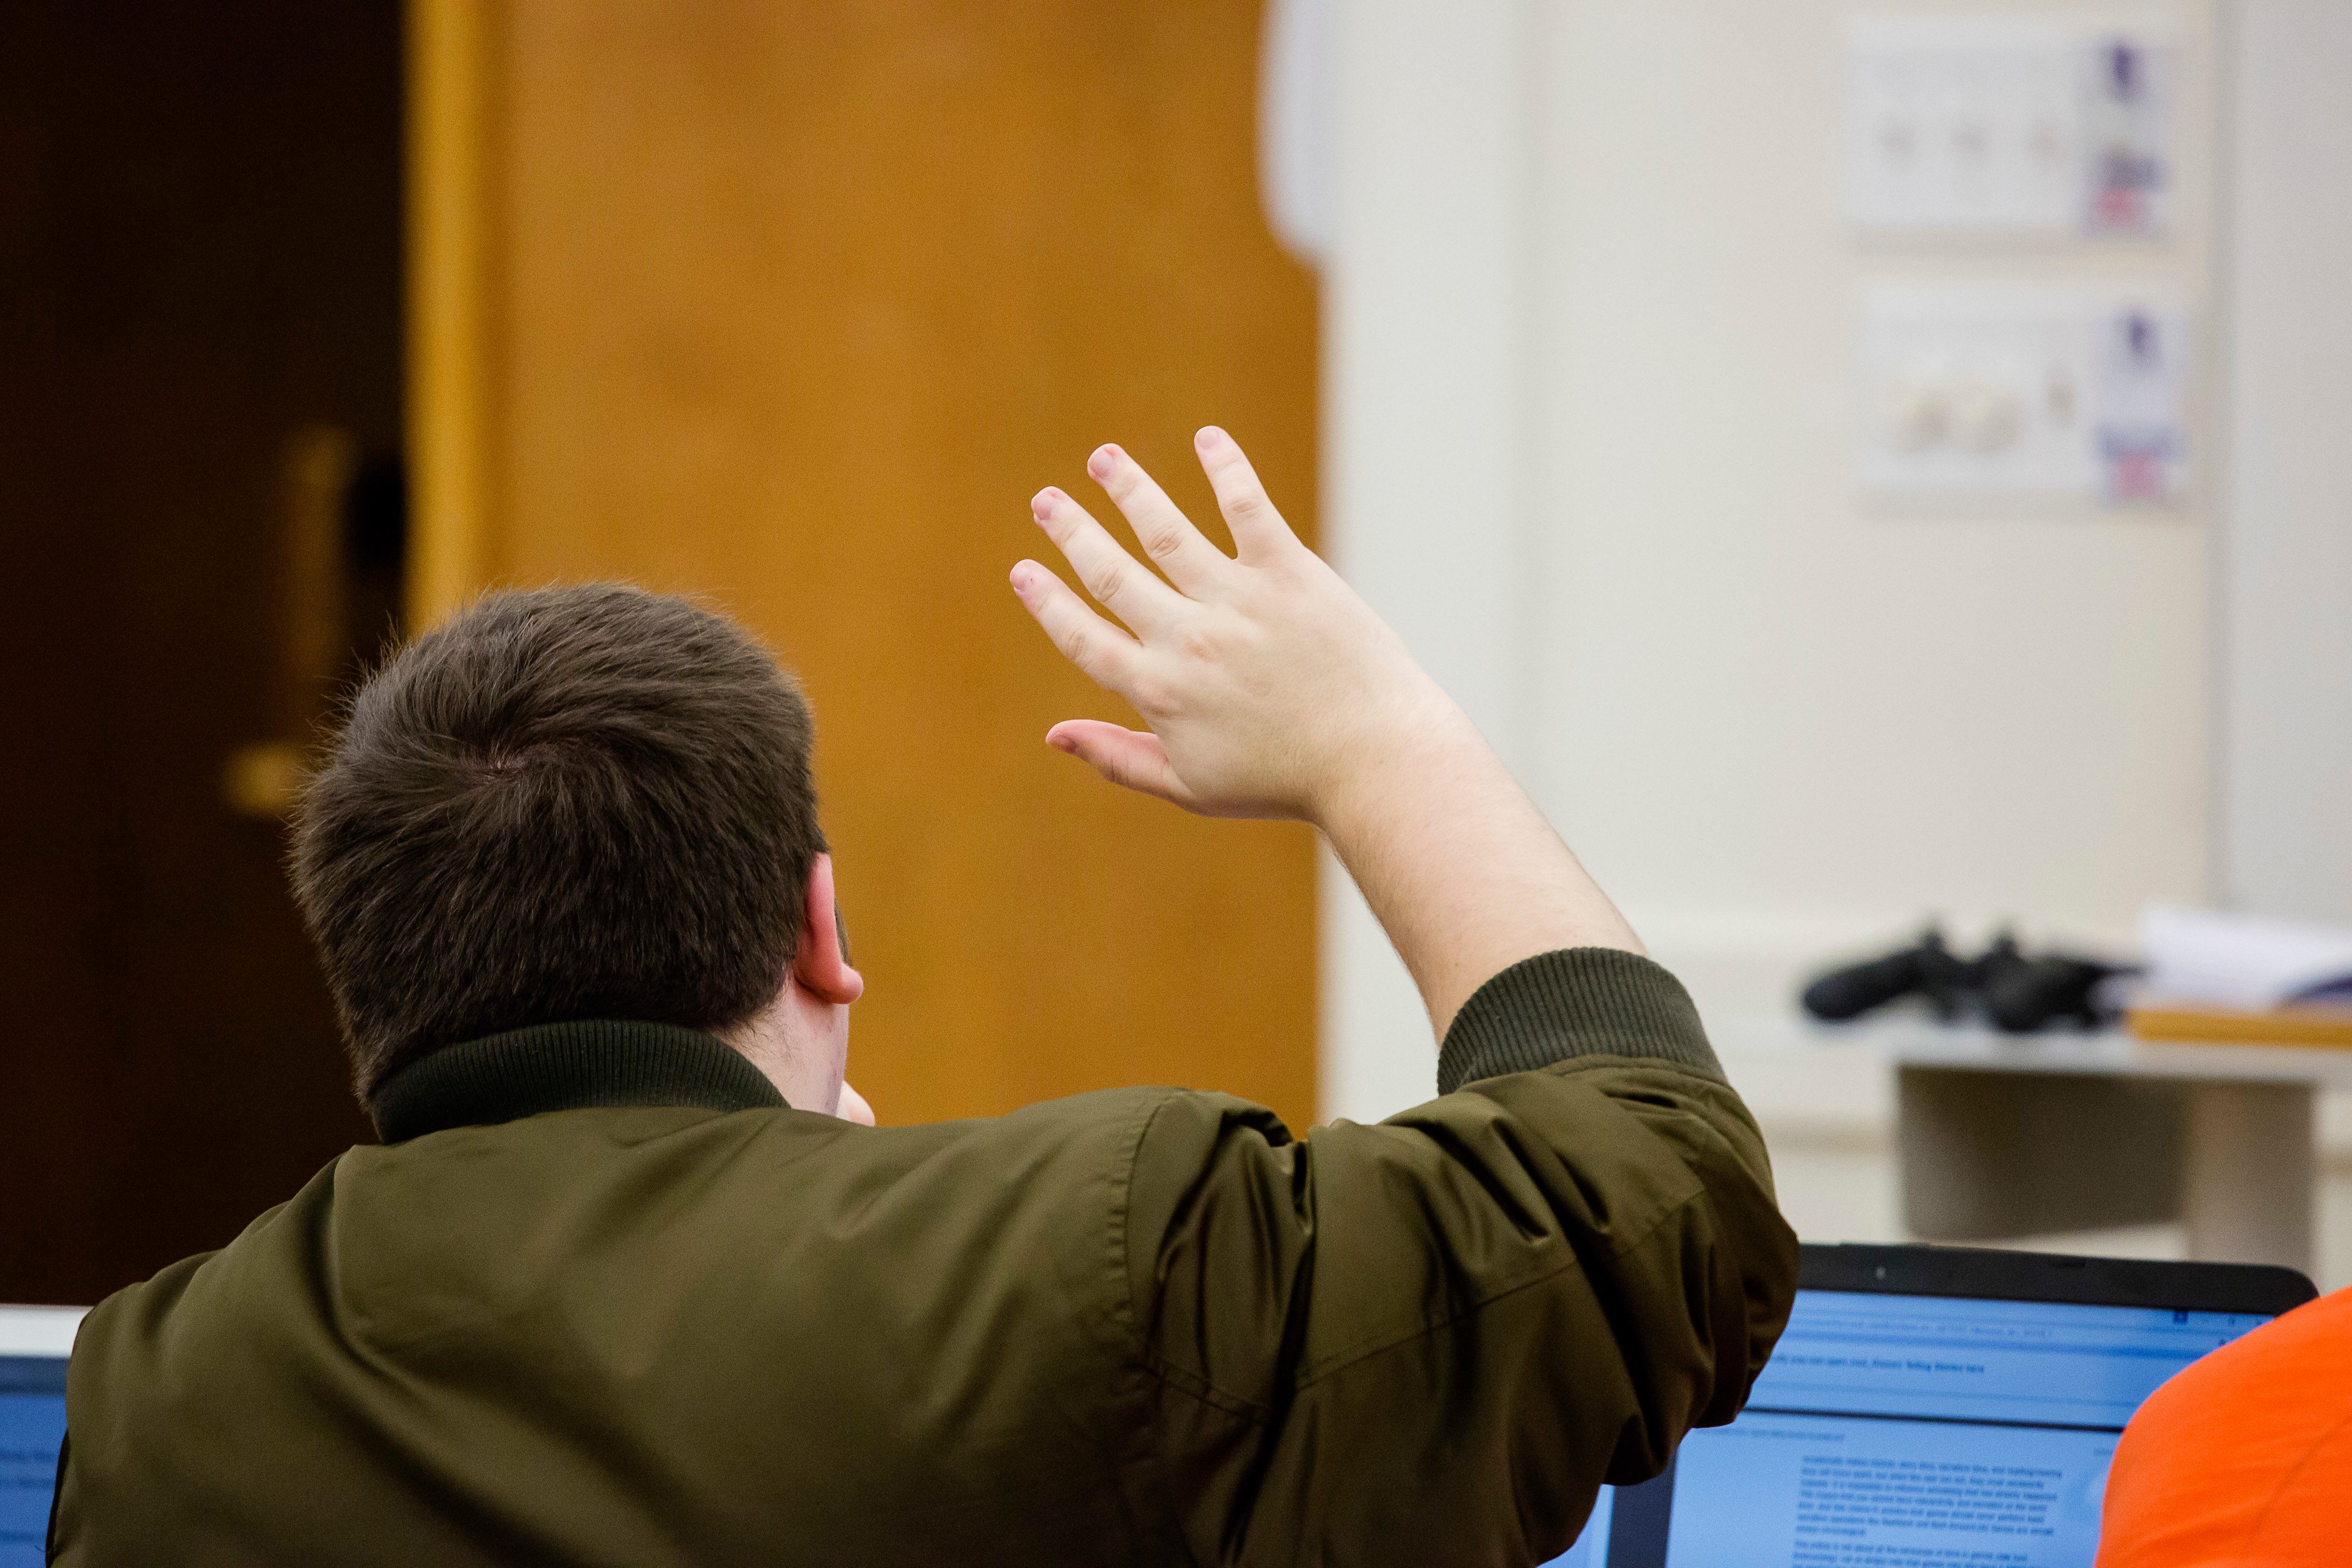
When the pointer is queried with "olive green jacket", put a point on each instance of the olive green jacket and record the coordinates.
(602, 1297)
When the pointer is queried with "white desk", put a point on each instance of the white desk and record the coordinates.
(2018, 1135)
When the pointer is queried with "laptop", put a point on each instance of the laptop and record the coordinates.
(1933, 1405)
(34, 1345)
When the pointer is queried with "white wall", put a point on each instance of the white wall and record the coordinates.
(1588, 305)
(1784, 716)
(2286, 557)
(1426, 411)
(1588, 295)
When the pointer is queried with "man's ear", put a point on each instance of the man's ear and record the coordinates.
(819, 965)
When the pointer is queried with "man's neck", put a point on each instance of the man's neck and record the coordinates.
(790, 1042)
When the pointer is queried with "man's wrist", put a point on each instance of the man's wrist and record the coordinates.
(1398, 769)
(1456, 862)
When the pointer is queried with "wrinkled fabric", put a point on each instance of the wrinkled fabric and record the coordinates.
(1144, 1326)
(2243, 1459)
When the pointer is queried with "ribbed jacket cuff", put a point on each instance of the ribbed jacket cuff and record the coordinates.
(1573, 1002)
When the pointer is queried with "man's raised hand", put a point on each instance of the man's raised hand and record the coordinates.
(1265, 682)
(1271, 690)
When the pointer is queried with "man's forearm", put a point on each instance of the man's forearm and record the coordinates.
(1462, 871)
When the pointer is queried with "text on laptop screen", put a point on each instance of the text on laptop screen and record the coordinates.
(31, 1422)
(1911, 1430)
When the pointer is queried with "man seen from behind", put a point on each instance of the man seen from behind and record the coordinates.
(630, 1279)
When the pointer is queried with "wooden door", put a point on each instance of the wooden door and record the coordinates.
(200, 276)
(794, 305)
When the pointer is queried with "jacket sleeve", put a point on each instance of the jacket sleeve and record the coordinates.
(1431, 1340)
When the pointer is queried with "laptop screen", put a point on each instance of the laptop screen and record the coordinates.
(34, 1342)
(1892, 1429)
(32, 1421)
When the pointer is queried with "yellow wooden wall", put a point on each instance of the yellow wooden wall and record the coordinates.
(794, 305)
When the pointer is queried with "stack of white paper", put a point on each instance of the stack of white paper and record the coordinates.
(2253, 961)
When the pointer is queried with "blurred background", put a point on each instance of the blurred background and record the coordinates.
(1862, 464)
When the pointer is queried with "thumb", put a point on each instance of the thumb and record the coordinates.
(1133, 759)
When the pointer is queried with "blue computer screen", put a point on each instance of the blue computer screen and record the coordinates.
(32, 1423)
(1910, 1432)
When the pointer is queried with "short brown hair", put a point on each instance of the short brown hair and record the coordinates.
(588, 801)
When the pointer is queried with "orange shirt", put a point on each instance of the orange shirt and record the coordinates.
(2244, 1460)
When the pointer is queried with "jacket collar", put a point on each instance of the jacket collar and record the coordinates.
(566, 1067)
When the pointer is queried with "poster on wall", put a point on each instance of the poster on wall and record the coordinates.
(2023, 123)
(2061, 390)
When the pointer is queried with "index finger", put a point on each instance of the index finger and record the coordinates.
(1259, 533)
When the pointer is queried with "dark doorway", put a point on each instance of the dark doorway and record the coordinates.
(200, 343)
